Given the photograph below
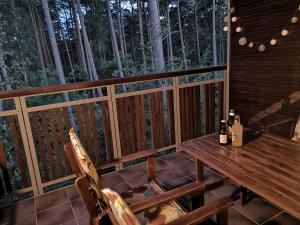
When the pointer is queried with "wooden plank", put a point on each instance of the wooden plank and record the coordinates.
(143, 123)
(67, 122)
(81, 126)
(195, 112)
(182, 114)
(48, 144)
(93, 84)
(138, 112)
(120, 117)
(221, 100)
(61, 135)
(187, 113)
(213, 108)
(132, 124)
(94, 132)
(171, 122)
(198, 99)
(107, 130)
(153, 120)
(161, 119)
(207, 109)
(41, 148)
(3, 157)
(127, 129)
(88, 135)
(55, 143)
(17, 148)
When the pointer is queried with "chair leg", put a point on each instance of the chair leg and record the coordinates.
(243, 195)
(222, 217)
(197, 200)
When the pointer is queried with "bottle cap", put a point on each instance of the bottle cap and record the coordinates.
(223, 121)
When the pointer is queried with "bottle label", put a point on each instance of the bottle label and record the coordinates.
(223, 139)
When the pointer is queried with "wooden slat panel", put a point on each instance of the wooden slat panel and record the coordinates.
(182, 114)
(161, 119)
(121, 118)
(198, 99)
(153, 120)
(88, 131)
(127, 130)
(67, 122)
(132, 124)
(18, 149)
(171, 117)
(61, 134)
(81, 125)
(208, 108)
(138, 115)
(41, 149)
(213, 107)
(3, 157)
(48, 143)
(187, 113)
(94, 132)
(107, 130)
(55, 143)
(220, 100)
(143, 123)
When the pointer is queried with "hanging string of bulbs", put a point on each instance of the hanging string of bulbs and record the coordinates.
(261, 46)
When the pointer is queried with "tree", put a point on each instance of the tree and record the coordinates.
(171, 55)
(114, 41)
(158, 54)
(214, 36)
(141, 30)
(181, 35)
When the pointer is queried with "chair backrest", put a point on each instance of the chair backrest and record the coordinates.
(297, 131)
(85, 164)
(122, 213)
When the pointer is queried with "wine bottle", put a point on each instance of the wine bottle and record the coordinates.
(237, 132)
(223, 140)
(230, 122)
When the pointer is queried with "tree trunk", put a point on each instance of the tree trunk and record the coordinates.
(171, 56)
(57, 59)
(114, 40)
(79, 40)
(158, 54)
(120, 29)
(197, 33)
(181, 35)
(214, 39)
(142, 34)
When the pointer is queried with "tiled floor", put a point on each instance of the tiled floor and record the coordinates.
(65, 206)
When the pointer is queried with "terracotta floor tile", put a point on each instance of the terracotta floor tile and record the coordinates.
(121, 188)
(134, 176)
(85, 220)
(79, 208)
(168, 175)
(72, 222)
(18, 210)
(283, 219)
(236, 218)
(175, 158)
(172, 184)
(111, 179)
(72, 192)
(257, 210)
(186, 167)
(56, 215)
(209, 177)
(51, 199)
(225, 191)
(27, 220)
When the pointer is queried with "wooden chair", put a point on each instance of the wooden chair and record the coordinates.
(143, 198)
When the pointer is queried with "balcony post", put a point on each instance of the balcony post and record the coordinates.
(177, 112)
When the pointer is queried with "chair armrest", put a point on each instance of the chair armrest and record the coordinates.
(205, 212)
(167, 196)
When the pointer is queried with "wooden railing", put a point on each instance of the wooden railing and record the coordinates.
(133, 114)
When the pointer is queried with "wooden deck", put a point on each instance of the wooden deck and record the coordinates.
(64, 206)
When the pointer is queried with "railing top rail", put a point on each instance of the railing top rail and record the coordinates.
(99, 83)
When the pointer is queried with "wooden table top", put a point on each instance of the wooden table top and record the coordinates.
(267, 165)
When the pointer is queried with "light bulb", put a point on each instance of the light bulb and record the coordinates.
(261, 48)
(238, 29)
(226, 19)
(242, 41)
(273, 42)
(225, 28)
(232, 10)
(284, 32)
(251, 44)
(294, 19)
(234, 19)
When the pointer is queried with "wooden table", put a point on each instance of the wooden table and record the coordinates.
(267, 165)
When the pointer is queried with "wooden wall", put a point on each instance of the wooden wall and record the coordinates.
(265, 87)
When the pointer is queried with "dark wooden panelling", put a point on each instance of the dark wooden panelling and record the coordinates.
(261, 84)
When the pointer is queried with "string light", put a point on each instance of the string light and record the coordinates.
(273, 41)
(242, 41)
(261, 47)
(294, 19)
(284, 32)
(238, 29)
(234, 19)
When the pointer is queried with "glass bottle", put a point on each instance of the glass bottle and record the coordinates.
(237, 132)
(230, 122)
(223, 140)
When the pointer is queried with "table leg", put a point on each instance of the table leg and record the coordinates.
(222, 217)
(243, 195)
(197, 200)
